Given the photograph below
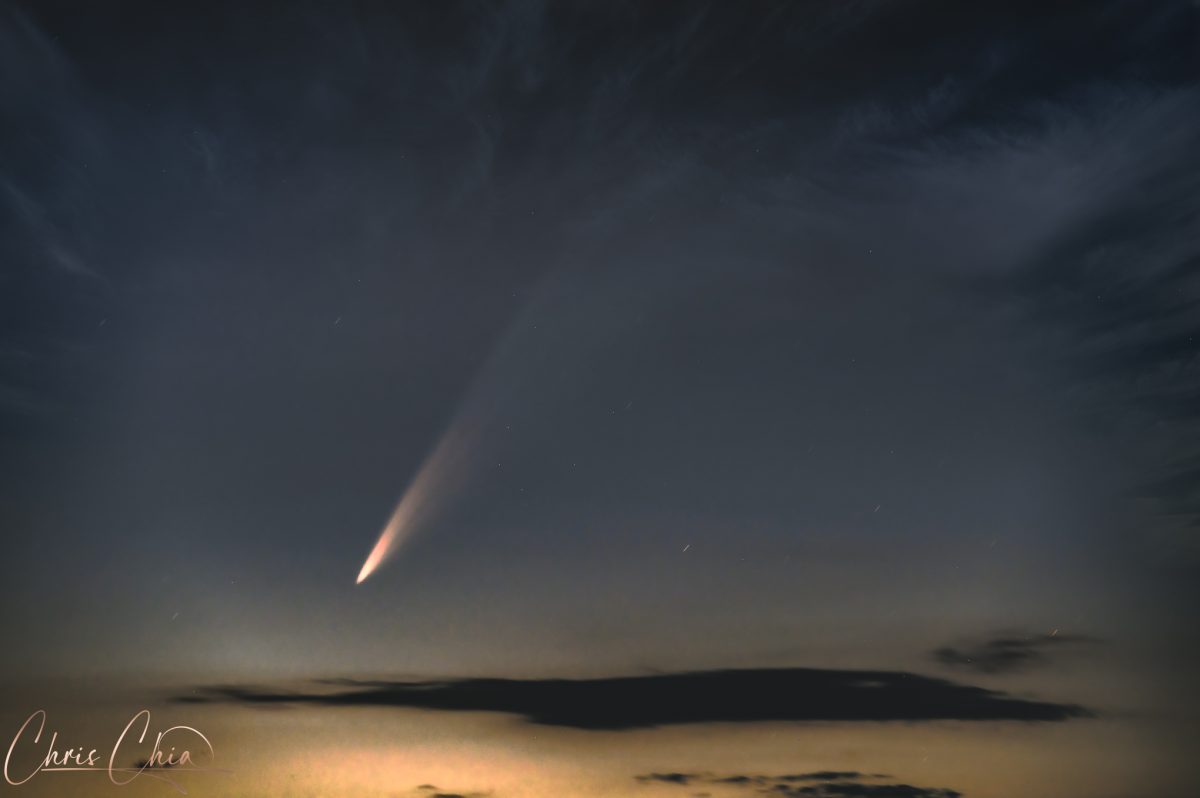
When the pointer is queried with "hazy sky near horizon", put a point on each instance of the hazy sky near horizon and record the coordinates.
(847, 335)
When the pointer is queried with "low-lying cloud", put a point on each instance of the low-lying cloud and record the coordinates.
(817, 784)
(633, 702)
(1007, 653)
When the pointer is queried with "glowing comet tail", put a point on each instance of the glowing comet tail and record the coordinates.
(472, 431)
(437, 475)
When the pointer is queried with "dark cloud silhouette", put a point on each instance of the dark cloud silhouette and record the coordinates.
(669, 778)
(434, 793)
(1006, 654)
(782, 694)
(817, 784)
(740, 779)
(850, 789)
(823, 775)
(818, 775)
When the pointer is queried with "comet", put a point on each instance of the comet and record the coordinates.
(437, 476)
(495, 392)
(454, 457)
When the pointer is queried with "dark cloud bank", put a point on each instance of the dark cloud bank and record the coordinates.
(818, 784)
(431, 791)
(745, 696)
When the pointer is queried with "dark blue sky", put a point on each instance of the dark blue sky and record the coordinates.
(818, 334)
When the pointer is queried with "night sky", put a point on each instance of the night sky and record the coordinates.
(788, 397)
